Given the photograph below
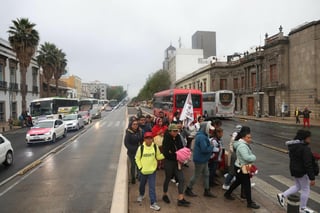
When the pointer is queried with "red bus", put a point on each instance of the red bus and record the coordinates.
(169, 101)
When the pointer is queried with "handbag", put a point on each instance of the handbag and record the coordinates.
(249, 169)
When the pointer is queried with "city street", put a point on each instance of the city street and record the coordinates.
(78, 178)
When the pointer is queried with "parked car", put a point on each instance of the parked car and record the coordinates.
(46, 130)
(86, 117)
(6, 151)
(73, 121)
(95, 113)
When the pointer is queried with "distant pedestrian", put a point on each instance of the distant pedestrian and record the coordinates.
(142, 124)
(303, 168)
(306, 117)
(172, 143)
(232, 159)
(217, 154)
(297, 113)
(133, 139)
(201, 154)
(176, 116)
(245, 157)
(146, 159)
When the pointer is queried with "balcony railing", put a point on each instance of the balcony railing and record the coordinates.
(13, 87)
(3, 85)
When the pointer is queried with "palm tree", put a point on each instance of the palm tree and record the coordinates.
(24, 40)
(47, 60)
(60, 68)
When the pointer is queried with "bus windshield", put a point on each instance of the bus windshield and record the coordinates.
(225, 98)
(41, 108)
(180, 100)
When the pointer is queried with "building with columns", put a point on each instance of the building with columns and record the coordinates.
(283, 72)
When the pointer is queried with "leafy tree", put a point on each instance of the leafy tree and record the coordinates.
(116, 92)
(24, 40)
(60, 67)
(156, 82)
(47, 60)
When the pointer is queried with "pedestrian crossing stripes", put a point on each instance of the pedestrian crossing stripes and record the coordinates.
(289, 182)
(271, 191)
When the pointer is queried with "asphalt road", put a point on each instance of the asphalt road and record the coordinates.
(78, 178)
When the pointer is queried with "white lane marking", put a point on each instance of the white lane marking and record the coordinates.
(265, 187)
(289, 182)
(117, 123)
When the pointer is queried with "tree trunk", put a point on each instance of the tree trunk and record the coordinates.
(48, 89)
(23, 73)
(57, 87)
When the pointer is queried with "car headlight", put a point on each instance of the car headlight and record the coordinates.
(48, 133)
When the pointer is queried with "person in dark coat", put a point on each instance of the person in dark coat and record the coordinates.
(171, 143)
(302, 167)
(133, 139)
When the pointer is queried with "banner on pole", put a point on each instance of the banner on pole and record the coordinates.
(187, 111)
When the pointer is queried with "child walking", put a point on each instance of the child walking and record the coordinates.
(146, 159)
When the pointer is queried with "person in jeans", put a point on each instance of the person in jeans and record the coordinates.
(171, 143)
(132, 141)
(302, 167)
(201, 154)
(146, 159)
(244, 157)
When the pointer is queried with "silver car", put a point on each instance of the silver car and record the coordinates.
(73, 121)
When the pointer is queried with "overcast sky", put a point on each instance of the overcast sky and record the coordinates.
(121, 42)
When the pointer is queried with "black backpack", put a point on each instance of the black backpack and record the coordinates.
(142, 147)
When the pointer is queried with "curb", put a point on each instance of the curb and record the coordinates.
(120, 191)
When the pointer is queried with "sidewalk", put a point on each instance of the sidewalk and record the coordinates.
(284, 120)
(200, 203)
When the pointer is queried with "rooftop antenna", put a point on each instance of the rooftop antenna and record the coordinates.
(179, 42)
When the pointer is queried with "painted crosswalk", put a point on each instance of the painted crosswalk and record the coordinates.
(270, 190)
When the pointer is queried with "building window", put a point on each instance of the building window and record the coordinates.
(2, 112)
(223, 84)
(194, 85)
(212, 84)
(189, 86)
(242, 82)
(14, 110)
(204, 85)
(1, 72)
(253, 80)
(13, 78)
(34, 76)
(273, 73)
(235, 83)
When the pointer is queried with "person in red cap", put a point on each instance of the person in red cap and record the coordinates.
(146, 159)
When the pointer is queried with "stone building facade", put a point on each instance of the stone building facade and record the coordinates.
(272, 80)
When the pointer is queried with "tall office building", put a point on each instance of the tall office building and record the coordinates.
(205, 40)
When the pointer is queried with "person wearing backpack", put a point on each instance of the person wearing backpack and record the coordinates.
(146, 159)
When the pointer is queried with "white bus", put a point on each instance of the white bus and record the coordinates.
(218, 104)
(91, 105)
(52, 107)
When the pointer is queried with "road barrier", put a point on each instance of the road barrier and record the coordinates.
(293, 204)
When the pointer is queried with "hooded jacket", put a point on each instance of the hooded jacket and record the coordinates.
(132, 140)
(170, 145)
(202, 147)
(301, 159)
(244, 153)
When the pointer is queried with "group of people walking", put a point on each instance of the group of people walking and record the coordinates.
(154, 143)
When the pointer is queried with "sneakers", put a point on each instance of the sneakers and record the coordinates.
(140, 198)
(253, 205)
(253, 184)
(155, 207)
(165, 198)
(306, 210)
(225, 187)
(281, 199)
(189, 192)
(173, 180)
(183, 202)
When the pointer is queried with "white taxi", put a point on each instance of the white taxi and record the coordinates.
(46, 131)
(6, 151)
